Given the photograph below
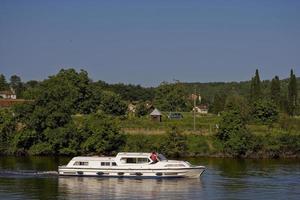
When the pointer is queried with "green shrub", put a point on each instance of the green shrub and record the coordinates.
(175, 144)
(41, 149)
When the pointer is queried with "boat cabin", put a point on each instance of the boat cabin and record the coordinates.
(136, 158)
(122, 159)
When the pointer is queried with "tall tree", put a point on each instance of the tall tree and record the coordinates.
(218, 103)
(16, 84)
(292, 94)
(233, 132)
(276, 90)
(3, 83)
(255, 90)
(171, 97)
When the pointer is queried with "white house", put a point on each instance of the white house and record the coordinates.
(8, 94)
(202, 109)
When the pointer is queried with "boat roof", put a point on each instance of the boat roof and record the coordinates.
(132, 154)
(91, 158)
(102, 158)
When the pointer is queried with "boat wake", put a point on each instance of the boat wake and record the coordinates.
(27, 173)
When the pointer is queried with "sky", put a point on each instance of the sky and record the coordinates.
(147, 42)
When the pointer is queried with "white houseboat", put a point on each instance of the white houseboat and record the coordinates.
(130, 165)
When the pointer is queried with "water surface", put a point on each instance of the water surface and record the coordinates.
(223, 179)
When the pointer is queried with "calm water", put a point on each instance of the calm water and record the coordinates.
(223, 179)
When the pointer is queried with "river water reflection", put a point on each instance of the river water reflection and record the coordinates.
(223, 179)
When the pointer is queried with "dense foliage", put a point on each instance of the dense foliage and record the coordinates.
(172, 97)
(69, 114)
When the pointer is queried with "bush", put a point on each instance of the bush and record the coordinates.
(265, 112)
(41, 149)
(143, 143)
(142, 110)
(197, 144)
(113, 104)
(103, 135)
(233, 133)
(175, 144)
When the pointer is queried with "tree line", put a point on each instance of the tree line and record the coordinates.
(49, 124)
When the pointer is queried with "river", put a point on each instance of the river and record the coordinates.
(223, 179)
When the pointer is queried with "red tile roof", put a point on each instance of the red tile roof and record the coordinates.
(10, 102)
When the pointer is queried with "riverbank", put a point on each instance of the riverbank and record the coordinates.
(283, 145)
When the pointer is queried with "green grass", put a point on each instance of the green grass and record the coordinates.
(203, 122)
(205, 125)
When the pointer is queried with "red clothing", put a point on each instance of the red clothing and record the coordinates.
(153, 157)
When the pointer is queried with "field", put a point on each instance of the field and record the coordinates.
(204, 124)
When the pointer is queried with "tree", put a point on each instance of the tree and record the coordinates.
(175, 144)
(31, 84)
(130, 92)
(3, 83)
(62, 140)
(218, 103)
(60, 96)
(292, 94)
(23, 140)
(233, 133)
(141, 109)
(265, 111)
(113, 104)
(171, 97)
(17, 85)
(102, 135)
(7, 129)
(238, 103)
(276, 90)
(255, 89)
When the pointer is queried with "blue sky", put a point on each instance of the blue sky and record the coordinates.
(147, 42)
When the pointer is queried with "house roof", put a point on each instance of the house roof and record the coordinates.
(10, 102)
(202, 106)
(155, 112)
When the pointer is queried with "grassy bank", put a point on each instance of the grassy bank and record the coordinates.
(283, 145)
(281, 140)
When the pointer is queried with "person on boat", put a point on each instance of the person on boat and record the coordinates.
(154, 157)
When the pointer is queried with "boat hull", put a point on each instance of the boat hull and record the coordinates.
(194, 172)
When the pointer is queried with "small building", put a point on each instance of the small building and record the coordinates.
(156, 115)
(202, 109)
(8, 94)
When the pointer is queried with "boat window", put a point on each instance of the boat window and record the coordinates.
(114, 164)
(143, 160)
(105, 163)
(175, 165)
(137, 160)
(161, 157)
(81, 163)
(131, 160)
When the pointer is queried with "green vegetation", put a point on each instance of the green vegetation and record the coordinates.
(276, 91)
(70, 114)
(172, 97)
(292, 95)
(255, 89)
